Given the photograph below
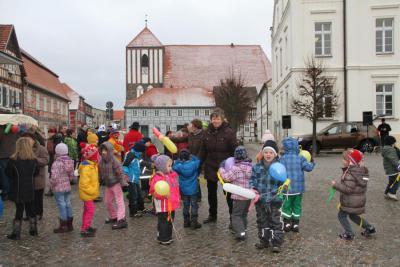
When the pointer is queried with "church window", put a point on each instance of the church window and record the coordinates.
(145, 64)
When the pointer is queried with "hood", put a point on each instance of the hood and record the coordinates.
(137, 154)
(291, 145)
(385, 149)
(110, 151)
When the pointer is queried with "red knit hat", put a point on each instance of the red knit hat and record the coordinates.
(355, 156)
(90, 152)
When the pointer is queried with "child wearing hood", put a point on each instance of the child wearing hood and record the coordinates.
(353, 188)
(88, 187)
(268, 207)
(239, 174)
(62, 174)
(165, 205)
(391, 164)
(187, 166)
(110, 171)
(295, 167)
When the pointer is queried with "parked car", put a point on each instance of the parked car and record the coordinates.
(344, 135)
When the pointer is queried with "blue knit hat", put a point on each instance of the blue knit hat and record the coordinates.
(240, 153)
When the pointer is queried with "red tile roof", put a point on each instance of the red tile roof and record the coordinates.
(118, 115)
(174, 97)
(5, 32)
(39, 75)
(145, 38)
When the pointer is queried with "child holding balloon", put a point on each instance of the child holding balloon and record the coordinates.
(165, 190)
(266, 185)
(295, 166)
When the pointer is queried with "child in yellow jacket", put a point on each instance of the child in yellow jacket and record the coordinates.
(88, 187)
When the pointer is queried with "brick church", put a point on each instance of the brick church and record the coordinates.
(169, 85)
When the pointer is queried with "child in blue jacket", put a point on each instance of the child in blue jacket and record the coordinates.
(295, 167)
(187, 167)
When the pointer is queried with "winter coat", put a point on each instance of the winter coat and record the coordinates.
(353, 188)
(88, 180)
(110, 168)
(117, 147)
(7, 143)
(72, 147)
(62, 173)
(263, 182)
(188, 172)
(218, 144)
(132, 166)
(196, 143)
(103, 137)
(22, 179)
(390, 160)
(42, 158)
(295, 166)
(239, 174)
(131, 138)
(162, 203)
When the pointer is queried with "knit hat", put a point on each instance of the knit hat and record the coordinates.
(89, 152)
(271, 145)
(389, 140)
(61, 149)
(354, 156)
(184, 154)
(146, 139)
(161, 163)
(92, 139)
(240, 153)
(135, 125)
(139, 147)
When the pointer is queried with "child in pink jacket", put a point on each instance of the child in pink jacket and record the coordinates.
(165, 205)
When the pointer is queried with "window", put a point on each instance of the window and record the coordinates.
(276, 65)
(51, 105)
(323, 38)
(352, 128)
(324, 107)
(11, 95)
(44, 104)
(145, 64)
(37, 102)
(207, 112)
(253, 113)
(168, 112)
(28, 98)
(247, 128)
(384, 35)
(156, 112)
(280, 60)
(196, 112)
(334, 130)
(287, 53)
(1, 96)
(144, 113)
(168, 127)
(384, 99)
(179, 112)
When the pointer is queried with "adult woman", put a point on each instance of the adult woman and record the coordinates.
(219, 143)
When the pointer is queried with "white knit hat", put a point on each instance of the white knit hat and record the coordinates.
(61, 149)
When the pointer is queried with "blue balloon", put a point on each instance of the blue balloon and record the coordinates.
(278, 171)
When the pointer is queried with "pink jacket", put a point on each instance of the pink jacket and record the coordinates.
(239, 174)
(62, 173)
(160, 202)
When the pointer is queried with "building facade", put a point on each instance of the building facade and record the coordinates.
(77, 111)
(119, 119)
(99, 117)
(355, 41)
(264, 112)
(11, 72)
(89, 115)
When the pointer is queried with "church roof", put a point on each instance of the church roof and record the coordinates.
(145, 38)
(174, 97)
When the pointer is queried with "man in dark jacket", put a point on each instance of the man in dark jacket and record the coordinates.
(7, 148)
(219, 143)
(384, 130)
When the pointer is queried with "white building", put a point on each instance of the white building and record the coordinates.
(357, 41)
(264, 112)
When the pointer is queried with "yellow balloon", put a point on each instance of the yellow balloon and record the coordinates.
(162, 188)
(169, 145)
(305, 154)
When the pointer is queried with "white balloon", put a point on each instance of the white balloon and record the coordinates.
(238, 190)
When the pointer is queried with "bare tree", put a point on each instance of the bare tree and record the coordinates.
(234, 99)
(316, 97)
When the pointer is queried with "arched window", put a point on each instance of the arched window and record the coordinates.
(139, 91)
(145, 61)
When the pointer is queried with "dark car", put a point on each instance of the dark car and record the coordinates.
(344, 135)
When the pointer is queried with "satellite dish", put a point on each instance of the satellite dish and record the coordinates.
(109, 104)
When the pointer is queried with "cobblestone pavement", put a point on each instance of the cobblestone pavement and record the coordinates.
(317, 243)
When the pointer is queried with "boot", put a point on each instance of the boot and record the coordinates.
(33, 231)
(287, 225)
(63, 228)
(16, 232)
(210, 219)
(186, 221)
(369, 230)
(194, 223)
(69, 224)
(295, 226)
(120, 224)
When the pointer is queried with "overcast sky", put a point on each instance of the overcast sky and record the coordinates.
(84, 41)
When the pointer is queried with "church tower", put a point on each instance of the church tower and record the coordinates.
(144, 64)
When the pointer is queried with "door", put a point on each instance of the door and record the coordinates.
(351, 135)
(331, 138)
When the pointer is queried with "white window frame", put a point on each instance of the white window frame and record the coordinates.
(168, 112)
(196, 112)
(207, 112)
(156, 112)
(134, 113)
(322, 33)
(44, 104)
(384, 94)
(144, 113)
(180, 112)
(384, 29)
(1, 96)
(37, 101)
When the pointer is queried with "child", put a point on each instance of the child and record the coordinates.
(295, 167)
(165, 205)
(239, 174)
(110, 171)
(270, 226)
(70, 141)
(88, 187)
(62, 173)
(391, 165)
(117, 145)
(132, 166)
(353, 187)
(21, 169)
(187, 167)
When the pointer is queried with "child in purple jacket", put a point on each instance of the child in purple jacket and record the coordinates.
(62, 173)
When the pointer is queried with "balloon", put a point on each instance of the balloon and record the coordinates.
(305, 154)
(169, 144)
(220, 178)
(205, 124)
(8, 128)
(229, 162)
(162, 188)
(14, 129)
(156, 132)
(278, 171)
(238, 190)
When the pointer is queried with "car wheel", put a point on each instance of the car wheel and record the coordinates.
(367, 146)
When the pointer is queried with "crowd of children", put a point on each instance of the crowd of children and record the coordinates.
(277, 210)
